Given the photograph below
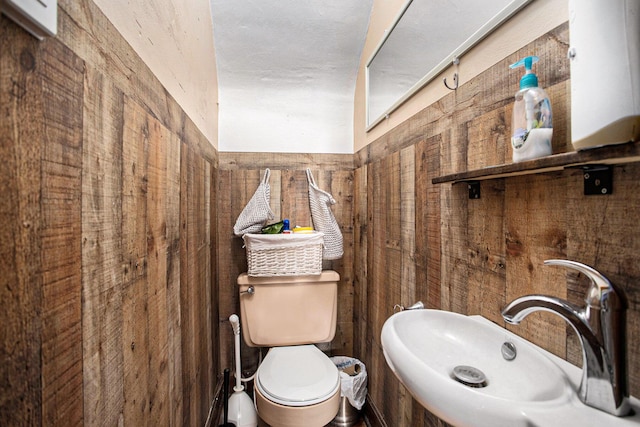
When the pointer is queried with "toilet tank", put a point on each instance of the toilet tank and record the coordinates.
(288, 310)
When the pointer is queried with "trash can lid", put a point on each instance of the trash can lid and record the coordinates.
(299, 375)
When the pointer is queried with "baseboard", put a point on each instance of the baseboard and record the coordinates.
(215, 409)
(372, 416)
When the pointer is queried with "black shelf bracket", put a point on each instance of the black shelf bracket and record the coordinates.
(474, 189)
(598, 179)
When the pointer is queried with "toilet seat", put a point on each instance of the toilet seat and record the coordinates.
(297, 376)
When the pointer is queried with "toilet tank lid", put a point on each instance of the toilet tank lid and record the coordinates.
(325, 276)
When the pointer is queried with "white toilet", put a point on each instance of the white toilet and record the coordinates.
(296, 384)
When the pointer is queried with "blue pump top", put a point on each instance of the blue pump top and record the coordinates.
(529, 79)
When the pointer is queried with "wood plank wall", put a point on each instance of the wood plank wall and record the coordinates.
(419, 241)
(107, 236)
(119, 254)
(239, 176)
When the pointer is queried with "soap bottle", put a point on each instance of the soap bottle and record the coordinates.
(532, 127)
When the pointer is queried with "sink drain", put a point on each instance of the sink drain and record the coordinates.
(470, 376)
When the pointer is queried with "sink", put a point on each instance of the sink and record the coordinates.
(424, 347)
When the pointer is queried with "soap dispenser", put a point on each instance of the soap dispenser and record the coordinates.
(532, 127)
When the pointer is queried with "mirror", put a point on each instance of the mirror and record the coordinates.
(425, 39)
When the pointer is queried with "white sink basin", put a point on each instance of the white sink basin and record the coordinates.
(423, 347)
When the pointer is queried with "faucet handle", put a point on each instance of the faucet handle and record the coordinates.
(601, 293)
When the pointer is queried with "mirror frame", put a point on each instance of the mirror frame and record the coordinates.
(507, 12)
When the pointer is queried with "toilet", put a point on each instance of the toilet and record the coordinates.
(296, 384)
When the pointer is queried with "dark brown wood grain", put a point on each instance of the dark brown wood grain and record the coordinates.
(195, 287)
(99, 328)
(61, 207)
(102, 258)
(360, 248)
(21, 148)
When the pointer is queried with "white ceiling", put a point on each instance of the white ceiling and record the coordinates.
(287, 72)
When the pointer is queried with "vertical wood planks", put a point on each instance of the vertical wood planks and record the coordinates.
(195, 289)
(535, 230)
(454, 268)
(427, 206)
(602, 231)
(234, 189)
(152, 342)
(294, 198)
(135, 341)
(157, 218)
(173, 273)
(407, 227)
(151, 301)
(408, 224)
(215, 286)
(21, 135)
(225, 280)
(487, 268)
(206, 372)
(360, 257)
(188, 289)
(489, 139)
(340, 185)
(275, 186)
(379, 286)
(61, 168)
(92, 240)
(377, 239)
(101, 251)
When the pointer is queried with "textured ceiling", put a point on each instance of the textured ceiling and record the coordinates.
(286, 73)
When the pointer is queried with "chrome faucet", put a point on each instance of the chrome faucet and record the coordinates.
(600, 325)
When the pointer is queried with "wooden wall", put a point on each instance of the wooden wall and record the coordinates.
(106, 236)
(118, 251)
(407, 239)
(419, 241)
(239, 176)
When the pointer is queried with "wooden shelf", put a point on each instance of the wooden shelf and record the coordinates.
(608, 155)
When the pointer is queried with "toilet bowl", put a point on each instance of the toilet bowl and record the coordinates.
(296, 384)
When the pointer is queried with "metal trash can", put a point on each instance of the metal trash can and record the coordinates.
(353, 389)
(347, 415)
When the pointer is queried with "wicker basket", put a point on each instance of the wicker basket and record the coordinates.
(284, 254)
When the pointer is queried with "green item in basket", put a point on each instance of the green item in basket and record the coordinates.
(273, 228)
